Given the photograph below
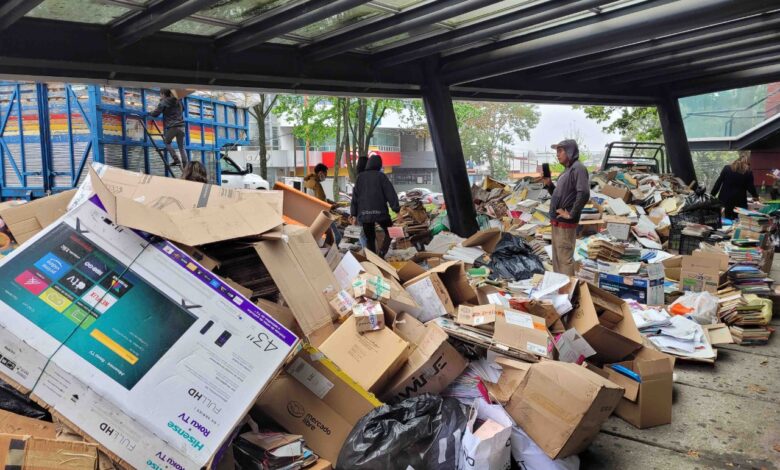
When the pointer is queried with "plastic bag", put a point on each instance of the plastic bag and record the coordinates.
(513, 259)
(422, 432)
(530, 456)
(13, 401)
(701, 307)
(484, 452)
(700, 199)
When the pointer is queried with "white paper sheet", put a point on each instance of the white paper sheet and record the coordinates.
(551, 282)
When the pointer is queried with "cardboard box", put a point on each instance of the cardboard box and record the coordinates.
(611, 344)
(475, 315)
(370, 359)
(369, 316)
(36, 453)
(703, 272)
(399, 300)
(441, 289)
(161, 354)
(616, 192)
(302, 276)
(523, 331)
(546, 310)
(673, 268)
(316, 399)
(25, 219)
(371, 286)
(12, 423)
(432, 365)
(561, 406)
(646, 290)
(648, 403)
(485, 239)
(182, 211)
(342, 303)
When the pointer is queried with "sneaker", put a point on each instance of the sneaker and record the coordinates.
(176, 162)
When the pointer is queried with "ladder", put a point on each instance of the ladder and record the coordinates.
(160, 150)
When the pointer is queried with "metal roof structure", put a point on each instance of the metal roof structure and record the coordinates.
(574, 51)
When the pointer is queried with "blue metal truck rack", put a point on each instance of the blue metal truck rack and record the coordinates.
(50, 132)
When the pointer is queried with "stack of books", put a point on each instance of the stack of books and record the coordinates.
(750, 335)
(605, 250)
(750, 280)
(729, 298)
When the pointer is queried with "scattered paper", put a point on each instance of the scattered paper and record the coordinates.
(551, 282)
(347, 270)
(573, 348)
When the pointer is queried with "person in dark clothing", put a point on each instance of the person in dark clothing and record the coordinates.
(173, 123)
(568, 199)
(360, 167)
(733, 184)
(372, 194)
(195, 171)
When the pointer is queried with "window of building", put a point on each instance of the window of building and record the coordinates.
(412, 176)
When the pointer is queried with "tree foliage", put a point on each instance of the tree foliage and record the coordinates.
(260, 111)
(633, 124)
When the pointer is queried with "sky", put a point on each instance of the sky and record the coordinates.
(559, 121)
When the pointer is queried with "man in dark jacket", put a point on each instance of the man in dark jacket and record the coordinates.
(173, 123)
(372, 194)
(568, 198)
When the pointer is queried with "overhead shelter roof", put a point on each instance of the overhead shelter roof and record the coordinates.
(574, 51)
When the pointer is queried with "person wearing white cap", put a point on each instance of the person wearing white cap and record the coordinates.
(569, 197)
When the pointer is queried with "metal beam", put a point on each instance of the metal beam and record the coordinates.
(726, 81)
(742, 28)
(286, 21)
(449, 153)
(154, 18)
(769, 57)
(626, 73)
(677, 150)
(670, 18)
(400, 23)
(12, 10)
(482, 30)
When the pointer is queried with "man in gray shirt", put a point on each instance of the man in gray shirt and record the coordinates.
(173, 122)
(568, 198)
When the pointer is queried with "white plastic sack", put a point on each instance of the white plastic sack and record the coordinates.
(487, 453)
(530, 456)
(704, 305)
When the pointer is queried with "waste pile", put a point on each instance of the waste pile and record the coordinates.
(157, 323)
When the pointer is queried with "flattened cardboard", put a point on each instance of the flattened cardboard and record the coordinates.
(486, 239)
(431, 366)
(302, 276)
(182, 211)
(611, 344)
(316, 399)
(281, 314)
(718, 334)
(648, 403)
(26, 219)
(383, 265)
(370, 359)
(523, 331)
(475, 315)
(12, 423)
(561, 406)
(616, 192)
(36, 453)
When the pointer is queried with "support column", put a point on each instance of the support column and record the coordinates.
(677, 150)
(449, 153)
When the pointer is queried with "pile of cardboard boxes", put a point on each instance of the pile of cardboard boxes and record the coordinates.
(159, 319)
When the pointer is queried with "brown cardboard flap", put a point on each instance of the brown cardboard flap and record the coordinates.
(186, 212)
(718, 334)
(27, 219)
(630, 386)
(512, 375)
(11, 423)
(381, 263)
(299, 206)
(487, 239)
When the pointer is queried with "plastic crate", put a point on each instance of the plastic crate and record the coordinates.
(709, 217)
(689, 243)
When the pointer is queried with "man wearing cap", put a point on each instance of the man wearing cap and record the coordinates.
(569, 196)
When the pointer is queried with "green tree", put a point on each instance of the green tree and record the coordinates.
(488, 130)
(311, 118)
(365, 115)
(633, 124)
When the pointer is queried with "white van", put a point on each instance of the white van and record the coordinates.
(234, 177)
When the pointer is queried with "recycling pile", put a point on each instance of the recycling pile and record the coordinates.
(281, 346)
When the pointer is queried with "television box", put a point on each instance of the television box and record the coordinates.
(132, 342)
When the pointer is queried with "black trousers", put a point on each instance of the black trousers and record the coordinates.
(369, 230)
(178, 134)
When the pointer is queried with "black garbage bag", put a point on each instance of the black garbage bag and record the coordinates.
(410, 434)
(513, 259)
(13, 401)
(701, 199)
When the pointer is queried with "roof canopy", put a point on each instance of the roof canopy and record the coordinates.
(574, 51)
